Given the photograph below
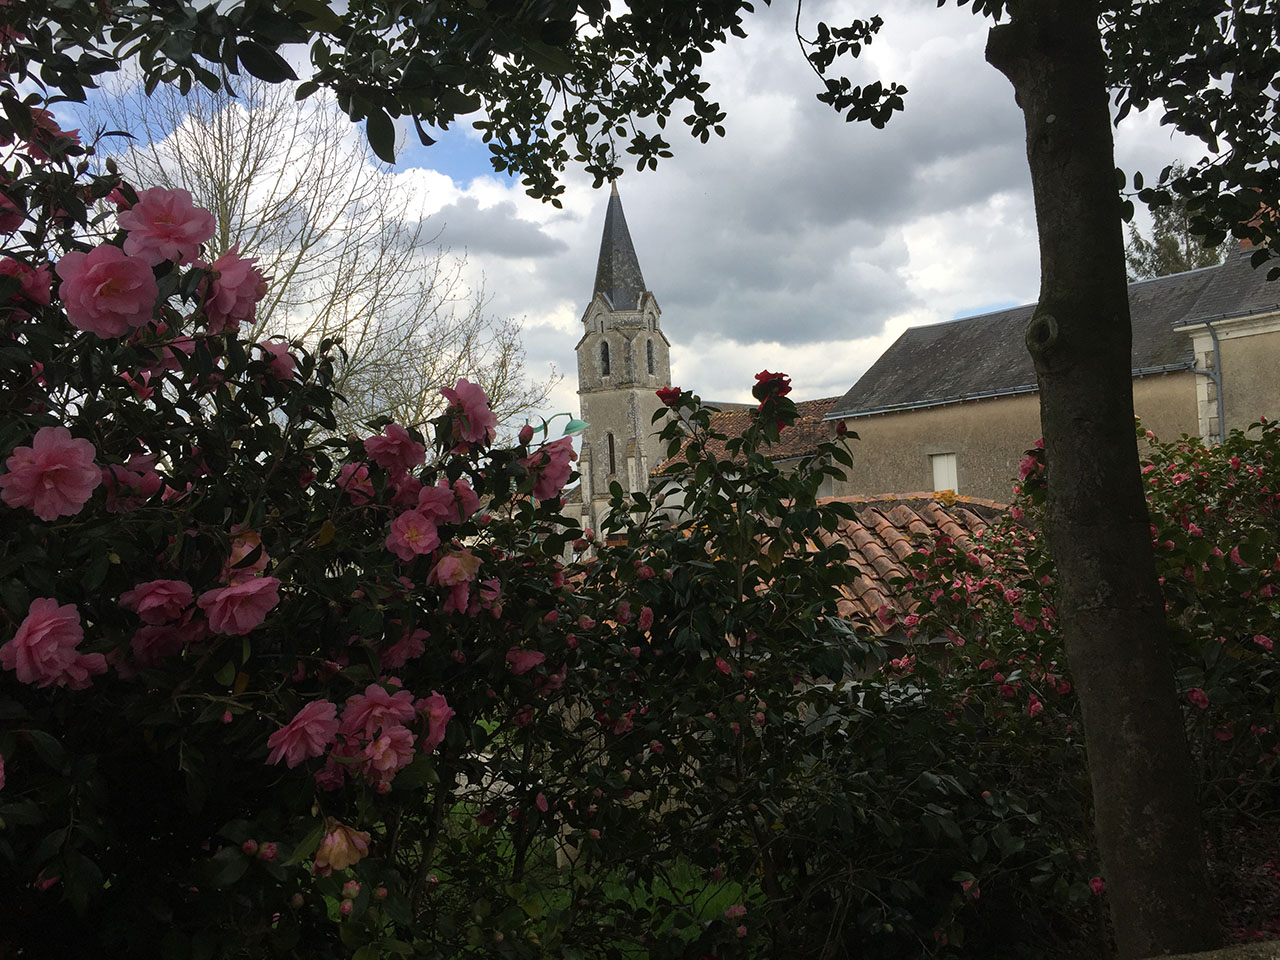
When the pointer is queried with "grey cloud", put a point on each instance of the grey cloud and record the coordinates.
(495, 230)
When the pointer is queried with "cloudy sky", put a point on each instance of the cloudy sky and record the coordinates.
(797, 242)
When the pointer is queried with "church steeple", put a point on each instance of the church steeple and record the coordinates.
(618, 274)
(623, 358)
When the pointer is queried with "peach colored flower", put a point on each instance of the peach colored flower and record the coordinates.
(54, 477)
(44, 650)
(438, 712)
(342, 847)
(105, 291)
(243, 544)
(165, 225)
(158, 601)
(232, 297)
(456, 571)
(472, 420)
(395, 450)
(307, 735)
(241, 607)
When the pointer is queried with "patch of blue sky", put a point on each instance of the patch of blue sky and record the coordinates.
(455, 153)
(982, 308)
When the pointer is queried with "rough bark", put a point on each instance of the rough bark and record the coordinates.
(1110, 607)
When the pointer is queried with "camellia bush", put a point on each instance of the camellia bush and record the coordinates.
(239, 653)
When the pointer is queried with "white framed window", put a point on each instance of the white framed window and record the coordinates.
(944, 471)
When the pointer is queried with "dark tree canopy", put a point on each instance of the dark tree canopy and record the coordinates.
(1172, 247)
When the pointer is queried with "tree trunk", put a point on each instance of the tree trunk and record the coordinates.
(1110, 606)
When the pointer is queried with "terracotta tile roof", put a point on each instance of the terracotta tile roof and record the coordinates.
(796, 441)
(891, 527)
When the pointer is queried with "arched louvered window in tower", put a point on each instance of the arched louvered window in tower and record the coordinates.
(648, 351)
(604, 359)
(613, 455)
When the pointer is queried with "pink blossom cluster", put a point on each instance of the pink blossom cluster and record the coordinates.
(374, 735)
(471, 422)
(551, 467)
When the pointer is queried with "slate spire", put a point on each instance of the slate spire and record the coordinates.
(618, 274)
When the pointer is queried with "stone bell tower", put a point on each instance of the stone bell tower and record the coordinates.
(623, 358)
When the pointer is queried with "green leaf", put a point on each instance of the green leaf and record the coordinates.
(307, 846)
(263, 63)
(47, 748)
(382, 135)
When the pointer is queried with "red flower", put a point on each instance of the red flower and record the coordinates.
(669, 395)
(770, 385)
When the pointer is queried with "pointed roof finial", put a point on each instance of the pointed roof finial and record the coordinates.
(618, 274)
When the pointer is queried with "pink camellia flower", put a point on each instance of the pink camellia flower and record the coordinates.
(232, 298)
(412, 535)
(1098, 886)
(438, 712)
(307, 735)
(456, 571)
(466, 500)
(12, 216)
(44, 650)
(54, 477)
(244, 544)
(735, 912)
(235, 610)
(281, 361)
(645, 620)
(409, 647)
(723, 665)
(473, 423)
(105, 291)
(389, 752)
(1034, 705)
(341, 847)
(1262, 640)
(130, 484)
(354, 480)
(395, 450)
(36, 283)
(366, 712)
(1198, 697)
(521, 661)
(45, 133)
(405, 489)
(525, 434)
(551, 467)
(158, 601)
(152, 645)
(165, 225)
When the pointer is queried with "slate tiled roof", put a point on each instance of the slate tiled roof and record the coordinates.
(1235, 288)
(797, 440)
(618, 269)
(890, 528)
(985, 356)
